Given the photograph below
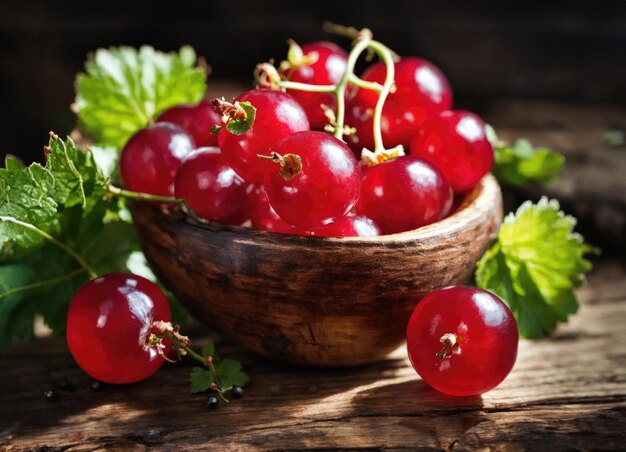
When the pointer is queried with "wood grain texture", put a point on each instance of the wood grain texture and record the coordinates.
(567, 392)
(312, 300)
(592, 184)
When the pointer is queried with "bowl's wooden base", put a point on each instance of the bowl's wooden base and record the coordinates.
(310, 300)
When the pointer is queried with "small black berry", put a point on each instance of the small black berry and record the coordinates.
(50, 395)
(236, 392)
(95, 385)
(66, 385)
(212, 402)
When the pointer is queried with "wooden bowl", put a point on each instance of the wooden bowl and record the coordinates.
(312, 300)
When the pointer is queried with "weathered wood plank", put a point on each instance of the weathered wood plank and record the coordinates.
(592, 185)
(566, 392)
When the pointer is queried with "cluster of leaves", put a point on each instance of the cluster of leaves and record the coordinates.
(523, 164)
(124, 89)
(56, 223)
(534, 266)
(227, 373)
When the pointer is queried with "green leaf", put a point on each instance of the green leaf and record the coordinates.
(123, 89)
(534, 266)
(201, 380)
(209, 349)
(241, 126)
(613, 138)
(230, 374)
(107, 159)
(24, 197)
(16, 319)
(523, 164)
(63, 200)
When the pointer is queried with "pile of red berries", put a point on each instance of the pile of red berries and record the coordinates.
(291, 173)
(310, 182)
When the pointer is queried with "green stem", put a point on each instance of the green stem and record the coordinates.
(306, 87)
(385, 54)
(340, 92)
(207, 363)
(61, 245)
(43, 283)
(357, 81)
(340, 30)
(116, 191)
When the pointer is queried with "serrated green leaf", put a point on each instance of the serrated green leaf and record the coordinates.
(123, 89)
(201, 380)
(241, 126)
(35, 194)
(107, 159)
(522, 164)
(230, 374)
(24, 197)
(63, 200)
(534, 266)
(209, 349)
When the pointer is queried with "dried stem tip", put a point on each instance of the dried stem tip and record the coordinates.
(229, 111)
(450, 345)
(290, 164)
(267, 76)
(382, 155)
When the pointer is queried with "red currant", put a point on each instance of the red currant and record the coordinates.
(421, 91)
(350, 226)
(108, 324)
(462, 340)
(455, 142)
(197, 120)
(265, 218)
(151, 157)
(277, 116)
(404, 193)
(212, 188)
(322, 187)
(328, 67)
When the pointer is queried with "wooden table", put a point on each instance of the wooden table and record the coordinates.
(566, 392)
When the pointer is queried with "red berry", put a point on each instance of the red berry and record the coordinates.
(151, 157)
(350, 226)
(462, 340)
(455, 142)
(327, 69)
(403, 194)
(324, 189)
(421, 91)
(277, 116)
(197, 120)
(265, 218)
(108, 324)
(211, 187)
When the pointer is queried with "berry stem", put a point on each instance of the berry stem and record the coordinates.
(84, 265)
(340, 30)
(306, 87)
(450, 345)
(116, 191)
(290, 164)
(180, 343)
(385, 54)
(358, 81)
(268, 76)
(45, 282)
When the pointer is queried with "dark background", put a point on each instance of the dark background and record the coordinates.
(554, 50)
